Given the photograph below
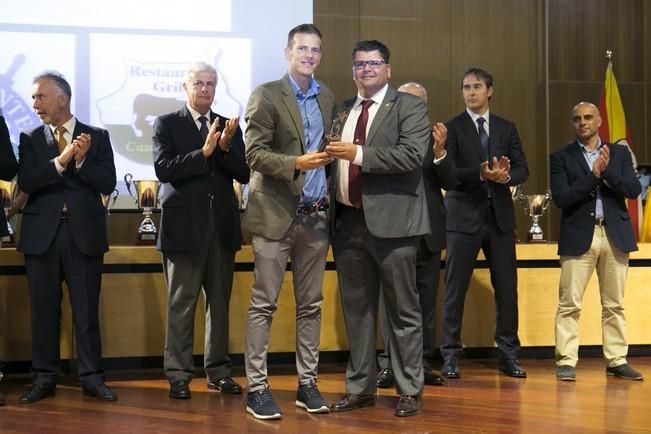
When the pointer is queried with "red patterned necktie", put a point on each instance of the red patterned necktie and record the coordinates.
(354, 175)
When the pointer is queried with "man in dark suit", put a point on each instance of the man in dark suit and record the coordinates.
(590, 182)
(380, 217)
(65, 167)
(438, 173)
(197, 155)
(287, 215)
(488, 156)
(8, 169)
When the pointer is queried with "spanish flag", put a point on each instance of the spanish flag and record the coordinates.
(614, 130)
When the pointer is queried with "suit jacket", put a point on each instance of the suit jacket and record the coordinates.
(436, 177)
(468, 204)
(189, 180)
(393, 192)
(574, 191)
(8, 167)
(274, 138)
(79, 190)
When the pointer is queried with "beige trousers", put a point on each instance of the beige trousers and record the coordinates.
(612, 268)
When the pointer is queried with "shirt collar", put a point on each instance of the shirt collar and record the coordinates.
(377, 98)
(585, 149)
(69, 125)
(313, 90)
(474, 116)
(196, 115)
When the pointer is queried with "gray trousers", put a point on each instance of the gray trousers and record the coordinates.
(428, 268)
(364, 262)
(306, 243)
(209, 266)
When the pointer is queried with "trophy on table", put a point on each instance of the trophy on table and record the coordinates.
(8, 192)
(146, 199)
(535, 206)
(108, 200)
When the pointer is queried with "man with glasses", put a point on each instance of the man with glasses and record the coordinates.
(286, 213)
(197, 155)
(380, 217)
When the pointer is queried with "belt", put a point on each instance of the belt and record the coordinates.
(311, 208)
(600, 222)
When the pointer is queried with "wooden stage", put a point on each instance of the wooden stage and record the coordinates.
(482, 401)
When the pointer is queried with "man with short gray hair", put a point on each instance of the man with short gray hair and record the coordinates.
(197, 155)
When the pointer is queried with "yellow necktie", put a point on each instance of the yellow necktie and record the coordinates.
(60, 139)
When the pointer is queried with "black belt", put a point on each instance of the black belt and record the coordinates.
(311, 208)
(600, 222)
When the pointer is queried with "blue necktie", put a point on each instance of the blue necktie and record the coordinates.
(203, 130)
(483, 137)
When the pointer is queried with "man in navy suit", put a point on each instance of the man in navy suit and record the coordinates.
(197, 155)
(488, 155)
(590, 182)
(65, 167)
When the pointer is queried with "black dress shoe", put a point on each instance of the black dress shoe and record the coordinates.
(102, 392)
(225, 385)
(351, 401)
(36, 393)
(432, 379)
(385, 379)
(512, 368)
(408, 405)
(180, 390)
(450, 369)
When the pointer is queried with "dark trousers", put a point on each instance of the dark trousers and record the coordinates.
(428, 268)
(364, 262)
(83, 276)
(462, 250)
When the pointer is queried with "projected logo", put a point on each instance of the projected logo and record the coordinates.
(17, 112)
(147, 91)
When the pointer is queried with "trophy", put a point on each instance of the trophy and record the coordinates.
(535, 206)
(335, 130)
(8, 191)
(146, 199)
(108, 200)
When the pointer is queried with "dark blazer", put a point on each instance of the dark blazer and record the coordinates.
(574, 191)
(436, 177)
(393, 192)
(274, 138)
(8, 166)
(189, 179)
(79, 189)
(468, 203)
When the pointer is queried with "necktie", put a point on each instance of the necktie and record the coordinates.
(354, 176)
(203, 130)
(58, 136)
(483, 137)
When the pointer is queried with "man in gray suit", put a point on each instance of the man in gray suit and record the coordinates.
(286, 213)
(380, 217)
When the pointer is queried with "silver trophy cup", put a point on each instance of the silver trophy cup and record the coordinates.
(147, 199)
(108, 200)
(535, 206)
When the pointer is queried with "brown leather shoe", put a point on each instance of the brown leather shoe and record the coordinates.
(225, 385)
(351, 401)
(36, 393)
(408, 405)
(101, 392)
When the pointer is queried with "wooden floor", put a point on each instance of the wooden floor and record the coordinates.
(483, 401)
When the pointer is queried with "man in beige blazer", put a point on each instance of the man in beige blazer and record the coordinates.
(287, 120)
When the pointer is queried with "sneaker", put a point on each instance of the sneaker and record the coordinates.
(624, 371)
(261, 405)
(309, 398)
(566, 373)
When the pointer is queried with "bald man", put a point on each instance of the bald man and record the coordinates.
(438, 172)
(590, 182)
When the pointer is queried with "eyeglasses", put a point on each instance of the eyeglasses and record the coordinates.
(373, 64)
(208, 84)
